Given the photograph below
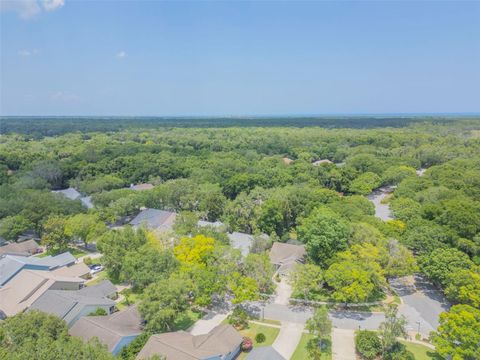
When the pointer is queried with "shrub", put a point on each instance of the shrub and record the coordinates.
(399, 352)
(368, 344)
(238, 318)
(260, 338)
(247, 344)
(87, 261)
(98, 312)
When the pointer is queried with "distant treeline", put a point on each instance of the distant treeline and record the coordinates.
(49, 126)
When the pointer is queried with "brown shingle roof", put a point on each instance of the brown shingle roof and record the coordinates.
(286, 254)
(29, 285)
(181, 345)
(24, 248)
(76, 270)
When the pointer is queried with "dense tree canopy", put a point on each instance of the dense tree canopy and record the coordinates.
(37, 336)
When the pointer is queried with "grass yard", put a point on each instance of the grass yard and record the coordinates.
(301, 350)
(102, 275)
(133, 298)
(421, 352)
(187, 319)
(273, 322)
(270, 333)
(74, 251)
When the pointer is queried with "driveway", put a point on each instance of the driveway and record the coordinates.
(343, 344)
(288, 339)
(422, 303)
(208, 322)
(283, 292)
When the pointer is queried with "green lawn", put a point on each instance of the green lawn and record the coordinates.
(102, 275)
(273, 322)
(421, 352)
(187, 319)
(74, 251)
(301, 350)
(133, 298)
(270, 333)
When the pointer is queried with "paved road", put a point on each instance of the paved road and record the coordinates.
(356, 320)
(343, 344)
(422, 303)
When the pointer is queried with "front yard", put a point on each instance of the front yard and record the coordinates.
(421, 352)
(301, 350)
(270, 333)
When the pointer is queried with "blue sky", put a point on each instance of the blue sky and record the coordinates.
(61, 57)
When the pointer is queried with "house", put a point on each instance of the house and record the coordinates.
(321, 162)
(154, 219)
(216, 224)
(285, 256)
(69, 193)
(221, 343)
(28, 235)
(71, 305)
(264, 353)
(114, 331)
(103, 289)
(25, 248)
(11, 265)
(76, 270)
(73, 194)
(30, 285)
(87, 202)
(241, 241)
(141, 187)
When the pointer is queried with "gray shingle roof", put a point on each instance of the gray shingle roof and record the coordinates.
(154, 219)
(102, 289)
(69, 193)
(10, 265)
(241, 241)
(264, 353)
(87, 202)
(68, 304)
(109, 329)
(216, 224)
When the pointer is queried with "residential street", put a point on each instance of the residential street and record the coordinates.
(422, 303)
(343, 319)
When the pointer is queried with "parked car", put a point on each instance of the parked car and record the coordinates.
(95, 268)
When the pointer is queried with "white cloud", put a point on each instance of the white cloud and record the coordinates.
(51, 5)
(61, 96)
(121, 54)
(28, 9)
(26, 52)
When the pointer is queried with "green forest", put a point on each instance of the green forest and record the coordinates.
(258, 177)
